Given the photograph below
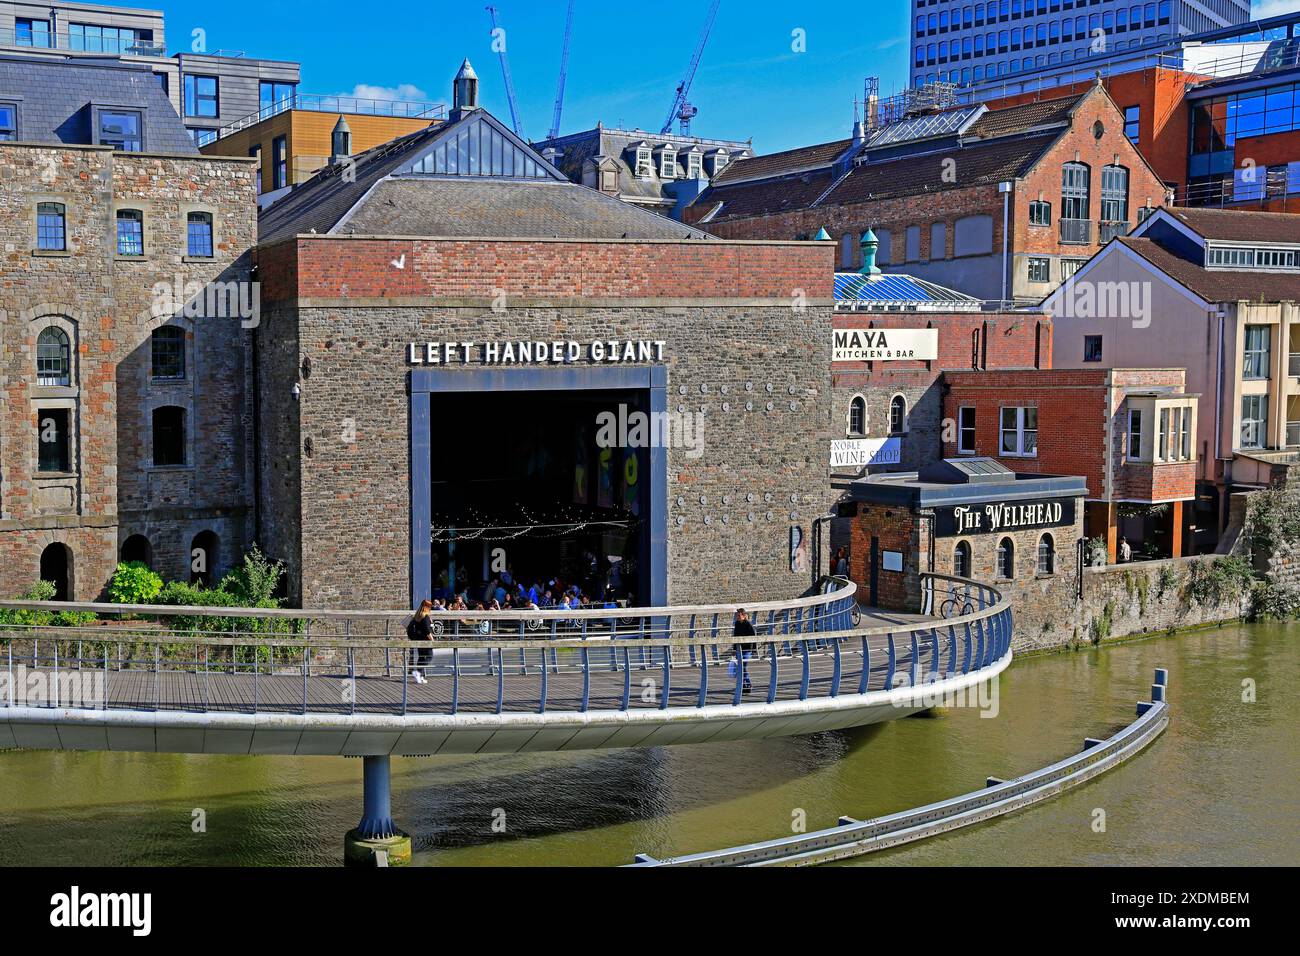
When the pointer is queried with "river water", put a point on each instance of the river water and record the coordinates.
(1222, 786)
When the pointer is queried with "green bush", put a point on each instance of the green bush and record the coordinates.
(1273, 602)
(134, 583)
(44, 591)
(251, 585)
(1223, 579)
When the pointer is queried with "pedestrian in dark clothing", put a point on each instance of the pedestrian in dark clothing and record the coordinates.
(744, 649)
(420, 629)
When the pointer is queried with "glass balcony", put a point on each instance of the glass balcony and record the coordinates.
(37, 39)
(331, 103)
(1076, 232)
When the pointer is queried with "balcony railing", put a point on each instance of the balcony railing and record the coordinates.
(330, 103)
(1294, 365)
(1293, 434)
(1269, 188)
(1076, 232)
(1106, 231)
(112, 46)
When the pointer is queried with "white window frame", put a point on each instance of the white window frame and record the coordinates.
(1259, 423)
(1256, 357)
(1020, 430)
(963, 449)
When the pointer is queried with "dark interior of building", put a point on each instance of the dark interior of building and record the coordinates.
(537, 488)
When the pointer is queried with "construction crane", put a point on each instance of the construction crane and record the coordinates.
(682, 110)
(564, 69)
(498, 39)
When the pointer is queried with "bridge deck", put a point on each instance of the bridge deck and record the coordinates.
(382, 688)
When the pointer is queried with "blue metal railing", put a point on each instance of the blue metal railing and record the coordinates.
(214, 661)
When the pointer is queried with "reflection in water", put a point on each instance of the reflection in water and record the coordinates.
(1221, 786)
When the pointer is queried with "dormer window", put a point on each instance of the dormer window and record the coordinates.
(694, 164)
(1244, 257)
(644, 160)
(718, 161)
(667, 162)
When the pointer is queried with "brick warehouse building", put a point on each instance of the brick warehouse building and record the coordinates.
(1129, 433)
(414, 314)
(124, 425)
(936, 188)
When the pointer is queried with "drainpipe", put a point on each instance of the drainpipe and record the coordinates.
(1005, 190)
(1222, 316)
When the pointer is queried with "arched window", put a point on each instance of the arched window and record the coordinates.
(168, 436)
(205, 552)
(1006, 559)
(168, 352)
(136, 548)
(961, 560)
(53, 357)
(1074, 192)
(1046, 555)
(56, 567)
(858, 416)
(1114, 194)
(897, 415)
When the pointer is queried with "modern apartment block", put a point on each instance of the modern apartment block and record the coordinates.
(294, 138)
(209, 89)
(957, 41)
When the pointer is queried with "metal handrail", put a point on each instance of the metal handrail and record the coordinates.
(330, 103)
(1076, 231)
(805, 651)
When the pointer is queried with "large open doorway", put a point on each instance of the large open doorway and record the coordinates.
(515, 485)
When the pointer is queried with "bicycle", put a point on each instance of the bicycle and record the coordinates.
(955, 607)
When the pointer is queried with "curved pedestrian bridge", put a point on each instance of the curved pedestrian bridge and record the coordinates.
(224, 680)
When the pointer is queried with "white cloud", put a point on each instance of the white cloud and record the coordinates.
(403, 91)
(1272, 8)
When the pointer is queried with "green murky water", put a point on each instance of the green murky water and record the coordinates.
(1222, 786)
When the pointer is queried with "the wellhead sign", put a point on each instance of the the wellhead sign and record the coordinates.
(996, 516)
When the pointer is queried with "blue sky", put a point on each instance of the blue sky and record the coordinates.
(625, 60)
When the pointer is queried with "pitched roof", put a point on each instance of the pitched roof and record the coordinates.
(784, 163)
(1240, 225)
(741, 200)
(464, 206)
(380, 196)
(977, 164)
(1217, 285)
(1025, 117)
(56, 100)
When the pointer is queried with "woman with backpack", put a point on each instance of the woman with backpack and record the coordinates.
(420, 628)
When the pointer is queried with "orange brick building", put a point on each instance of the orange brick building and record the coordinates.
(1129, 432)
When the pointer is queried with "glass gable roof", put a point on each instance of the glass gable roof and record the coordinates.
(925, 127)
(480, 150)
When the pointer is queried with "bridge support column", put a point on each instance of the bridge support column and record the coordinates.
(376, 841)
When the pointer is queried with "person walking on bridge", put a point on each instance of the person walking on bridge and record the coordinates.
(744, 649)
(420, 629)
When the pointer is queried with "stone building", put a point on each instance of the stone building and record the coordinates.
(968, 518)
(1001, 203)
(443, 332)
(125, 424)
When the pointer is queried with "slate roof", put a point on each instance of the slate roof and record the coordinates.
(1240, 225)
(56, 100)
(1218, 285)
(577, 148)
(784, 163)
(1001, 144)
(424, 206)
(379, 200)
(977, 164)
(1025, 117)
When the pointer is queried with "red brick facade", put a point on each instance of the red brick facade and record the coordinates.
(343, 267)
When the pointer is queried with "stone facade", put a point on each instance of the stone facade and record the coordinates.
(104, 304)
(740, 347)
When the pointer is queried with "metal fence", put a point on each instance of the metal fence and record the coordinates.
(224, 660)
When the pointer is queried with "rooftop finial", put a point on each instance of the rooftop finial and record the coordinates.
(870, 245)
(464, 91)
